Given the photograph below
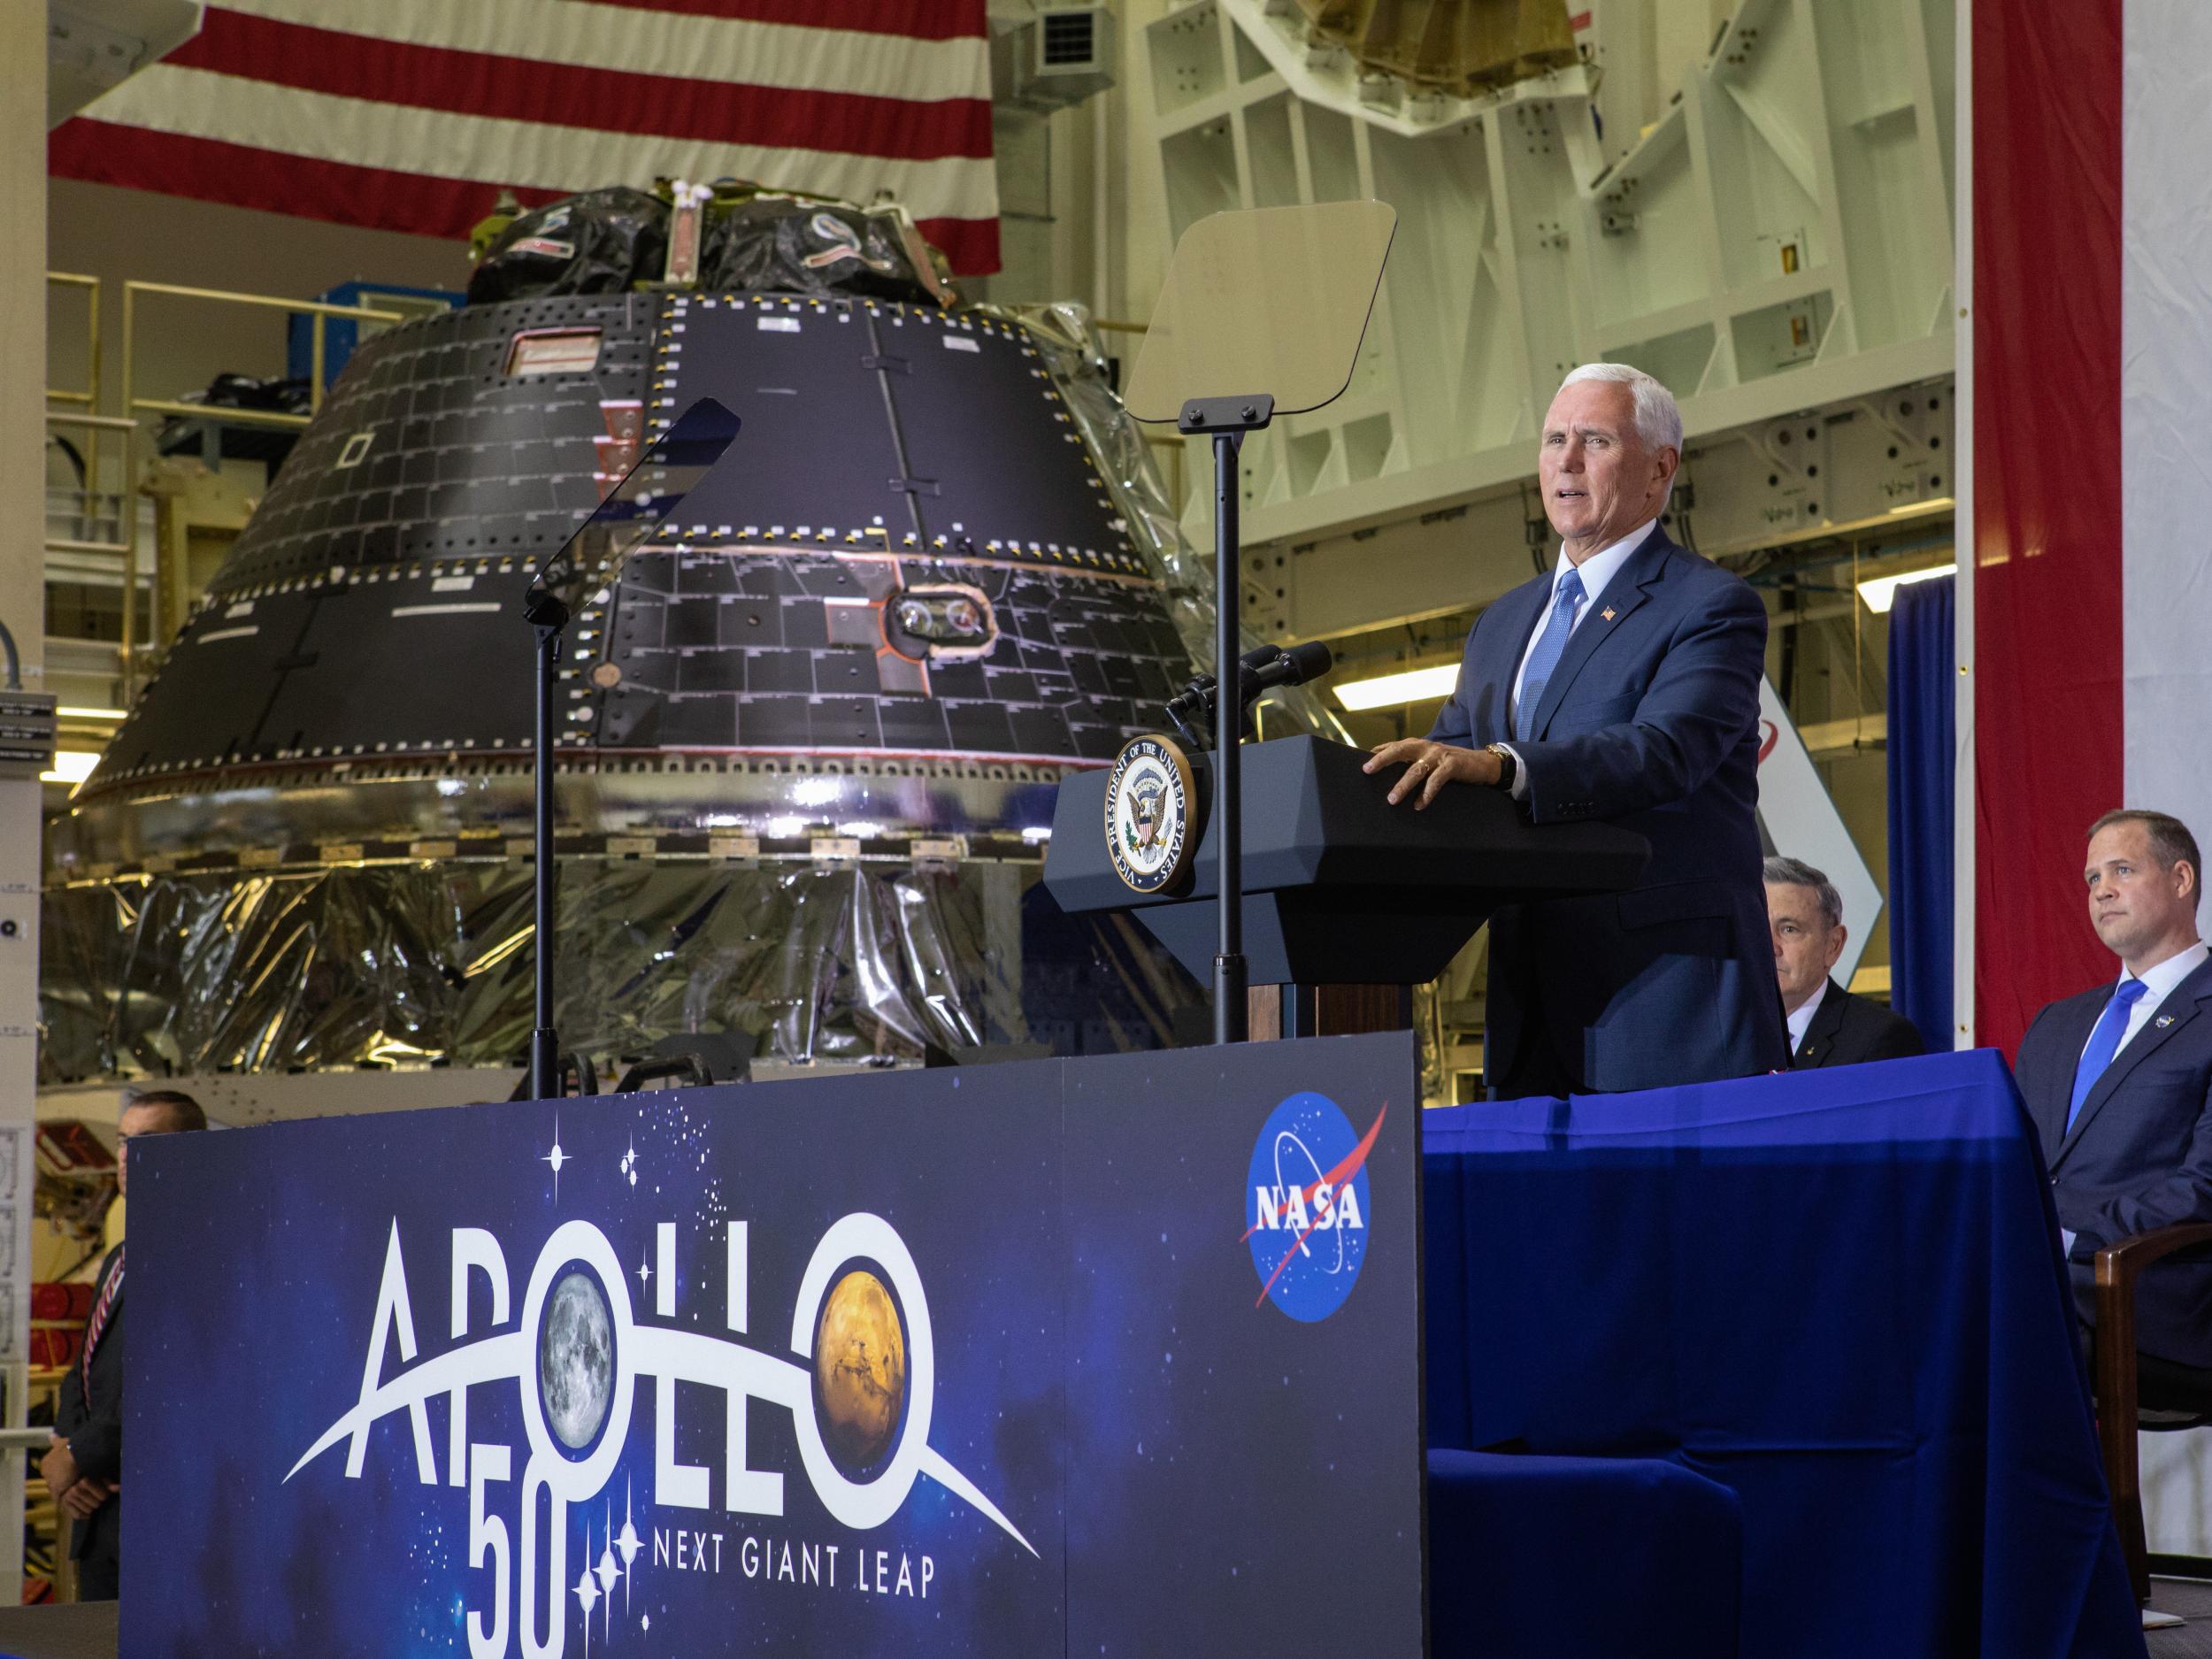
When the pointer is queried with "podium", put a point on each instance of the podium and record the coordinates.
(1348, 901)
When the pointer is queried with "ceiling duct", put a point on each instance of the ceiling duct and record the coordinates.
(1050, 57)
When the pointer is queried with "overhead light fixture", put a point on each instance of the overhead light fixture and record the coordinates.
(1384, 691)
(68, 713)
(71, 766)
(1880, 592)
(1923, 506)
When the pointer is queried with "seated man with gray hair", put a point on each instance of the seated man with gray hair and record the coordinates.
(1828, 1024)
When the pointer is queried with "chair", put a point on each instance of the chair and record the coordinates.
(2138, 1391)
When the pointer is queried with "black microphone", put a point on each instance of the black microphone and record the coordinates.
(1258, 671)
(1193, 705)
(1292, 666)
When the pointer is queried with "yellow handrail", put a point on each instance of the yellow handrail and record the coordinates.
(318, 310)
(89, 398)
(270, 301)
(125, 423)
(223, 412)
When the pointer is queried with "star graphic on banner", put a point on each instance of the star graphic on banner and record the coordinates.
(606, 1568)
(555, 1157)
(644, 1273)
(629, 1543)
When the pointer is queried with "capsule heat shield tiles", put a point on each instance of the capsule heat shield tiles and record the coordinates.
(910, 551)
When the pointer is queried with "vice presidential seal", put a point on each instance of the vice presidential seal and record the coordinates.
(1150, 831)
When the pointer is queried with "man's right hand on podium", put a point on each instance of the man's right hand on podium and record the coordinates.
(1430, 766)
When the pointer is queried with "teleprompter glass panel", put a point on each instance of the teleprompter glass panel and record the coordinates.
(1269, 300)
(635, 506)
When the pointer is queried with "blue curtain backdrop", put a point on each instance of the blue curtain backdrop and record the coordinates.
(1922, 742)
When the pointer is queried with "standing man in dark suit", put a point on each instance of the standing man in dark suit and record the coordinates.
(1622, 685)
(1828, 1026)
(2119, 1080)
(84, 1465)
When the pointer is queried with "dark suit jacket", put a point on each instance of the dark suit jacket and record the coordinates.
(1849, 1030)
(93, 1428)
(2140, 1153)
(1650, 720)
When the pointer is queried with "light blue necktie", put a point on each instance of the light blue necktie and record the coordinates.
(1548, 650)
(2104, 1042)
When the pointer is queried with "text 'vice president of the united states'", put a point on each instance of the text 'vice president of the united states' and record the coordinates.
(1622, 685)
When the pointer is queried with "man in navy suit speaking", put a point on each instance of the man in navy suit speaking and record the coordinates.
(1624, 685)
(2119, 1080)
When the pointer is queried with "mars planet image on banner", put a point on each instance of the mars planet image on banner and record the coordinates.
(859, 1370)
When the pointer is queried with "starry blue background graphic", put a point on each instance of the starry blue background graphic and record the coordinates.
(1249, 1483)
(1103, 1376)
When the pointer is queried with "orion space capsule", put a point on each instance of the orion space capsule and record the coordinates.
(809, 738)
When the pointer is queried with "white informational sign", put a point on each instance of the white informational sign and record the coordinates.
(1801, 821)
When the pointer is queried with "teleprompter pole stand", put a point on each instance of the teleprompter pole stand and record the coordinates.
(1228, 419)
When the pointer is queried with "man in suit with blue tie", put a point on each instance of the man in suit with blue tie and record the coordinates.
(1622, 685)
(2119, 1080)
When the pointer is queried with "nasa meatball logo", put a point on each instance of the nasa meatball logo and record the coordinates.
(1307, 1212)
(1148, 797)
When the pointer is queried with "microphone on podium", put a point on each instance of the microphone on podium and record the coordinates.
(1282, 666)
(1258, 671)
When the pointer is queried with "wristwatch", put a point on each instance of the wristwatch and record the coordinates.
(1508, 768)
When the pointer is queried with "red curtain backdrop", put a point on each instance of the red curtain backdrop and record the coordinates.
(2048, 639)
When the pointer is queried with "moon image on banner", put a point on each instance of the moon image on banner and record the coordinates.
(859, 1370)
(576, 1359)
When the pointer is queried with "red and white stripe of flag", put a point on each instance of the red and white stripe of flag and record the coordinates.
(412, 114)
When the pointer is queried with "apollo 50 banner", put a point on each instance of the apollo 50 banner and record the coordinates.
(1115, 1355)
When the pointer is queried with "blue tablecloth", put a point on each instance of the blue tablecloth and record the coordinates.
(1837, 1292)
(1655, 1555)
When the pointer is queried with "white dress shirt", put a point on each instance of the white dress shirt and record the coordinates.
(1597, 572)
(1801, 1021)
(2158, 984)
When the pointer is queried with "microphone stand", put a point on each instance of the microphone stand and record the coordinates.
(545, 612)
(655, 485)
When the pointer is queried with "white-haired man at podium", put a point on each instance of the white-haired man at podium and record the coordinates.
(1622, 685)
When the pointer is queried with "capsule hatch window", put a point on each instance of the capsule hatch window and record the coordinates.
(554, 351)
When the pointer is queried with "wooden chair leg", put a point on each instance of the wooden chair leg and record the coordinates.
(2113, 1355)
(2115, 1437)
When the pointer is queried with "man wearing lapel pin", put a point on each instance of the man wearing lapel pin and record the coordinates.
(2119, 1080)
(1622, 685)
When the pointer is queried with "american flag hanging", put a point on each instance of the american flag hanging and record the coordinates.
(411, 115)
